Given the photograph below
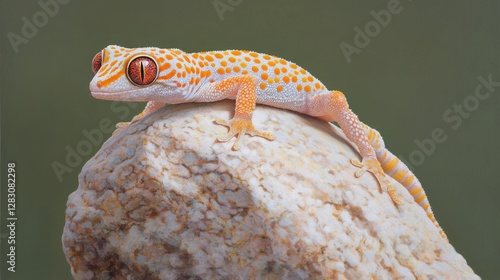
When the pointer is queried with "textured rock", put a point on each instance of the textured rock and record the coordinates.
(163, 199)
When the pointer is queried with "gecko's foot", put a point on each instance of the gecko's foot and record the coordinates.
(121, 125)
(373, 167)
(240, 126)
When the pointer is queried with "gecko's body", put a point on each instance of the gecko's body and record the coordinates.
(162, 76)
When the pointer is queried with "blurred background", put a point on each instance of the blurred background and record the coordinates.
(408, 68)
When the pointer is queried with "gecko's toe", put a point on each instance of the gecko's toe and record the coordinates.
(373, 166)
(361, 170)
(240, 127)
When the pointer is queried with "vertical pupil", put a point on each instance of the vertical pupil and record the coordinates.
(142, 71)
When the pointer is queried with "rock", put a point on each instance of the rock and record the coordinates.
(163, 199)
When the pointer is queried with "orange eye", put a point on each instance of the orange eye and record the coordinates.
(142, 70)
(97, 62)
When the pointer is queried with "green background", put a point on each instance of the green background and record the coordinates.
(427, 59)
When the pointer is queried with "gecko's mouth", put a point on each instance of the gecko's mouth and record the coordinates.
(106, 95)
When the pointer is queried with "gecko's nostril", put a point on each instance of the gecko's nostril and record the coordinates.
(99, 85)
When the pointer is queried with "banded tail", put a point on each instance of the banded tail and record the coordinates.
(395, 168)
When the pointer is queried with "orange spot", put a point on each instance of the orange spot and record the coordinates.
(169, 57)
(169, 75)
(232, 59)
(310, 78)
(162, 51)
(195, 55)
(304, 79)
(212, 64)
(244, 72)
(243, 65)
(236, 52)
(208, 73)
(223, 63)
(270, 80)
(179, 75)
(255, 69)
(198, 70)
(416, 190)
(164, 66)
(177, 83)
(254, 54)
(191, 81)
(220, 71)
(264, 76)
(272, 63)
(399, 175)
(279, 88)
(263, 86)
(286, 79)
(236, 69)
(264, 67)
(228, 70)
(200, 63)
(307, 88)
(186, 58)
(420, 198)
(299, 87)
(283, 69)
(276, 79)
(266, 57)
(109, 80)
(247, 58)
(317, 85)
(390, 164)
(178, 65)
(219, 55)
(184, 74)
(276, 71)
(256, 60)
(302, 71)
(209, 58)
(294, 79)
(197, 80)
(294, 66)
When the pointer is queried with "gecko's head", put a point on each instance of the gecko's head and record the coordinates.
(130, 74)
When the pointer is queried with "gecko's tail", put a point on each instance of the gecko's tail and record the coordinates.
(395, 168)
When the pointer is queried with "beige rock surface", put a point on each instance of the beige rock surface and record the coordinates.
(163, 199)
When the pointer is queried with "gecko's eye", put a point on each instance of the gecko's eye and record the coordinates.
(97, 62)
(142, 70)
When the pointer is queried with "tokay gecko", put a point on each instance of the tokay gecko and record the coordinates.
(161, 76)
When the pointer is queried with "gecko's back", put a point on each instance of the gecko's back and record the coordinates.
(280, 83)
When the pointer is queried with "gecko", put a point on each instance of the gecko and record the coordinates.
(171, 76)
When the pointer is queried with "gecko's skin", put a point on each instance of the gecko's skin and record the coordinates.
(161, 76)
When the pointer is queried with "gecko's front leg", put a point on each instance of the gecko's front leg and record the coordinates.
(151, 107)
(244, 89)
